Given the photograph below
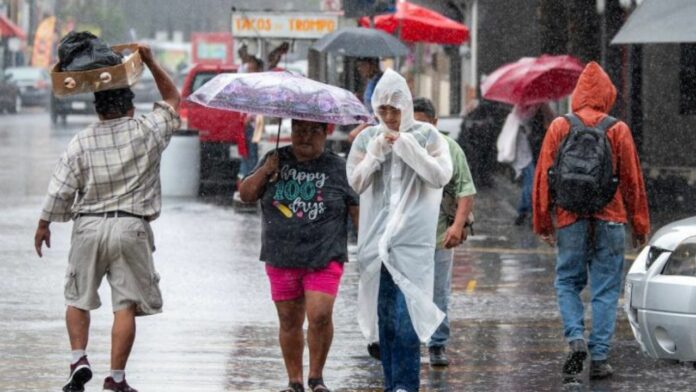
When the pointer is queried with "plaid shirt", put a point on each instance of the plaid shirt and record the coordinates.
(112, 165)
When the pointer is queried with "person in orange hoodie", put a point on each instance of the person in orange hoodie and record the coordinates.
(591, 246)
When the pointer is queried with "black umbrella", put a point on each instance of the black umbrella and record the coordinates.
(361, 42)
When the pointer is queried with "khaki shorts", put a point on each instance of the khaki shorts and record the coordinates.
(120, 248)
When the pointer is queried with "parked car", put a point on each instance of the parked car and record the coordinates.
(61, 107)
(34, 84)
(10, 100)
(220, 132)
(660, 293)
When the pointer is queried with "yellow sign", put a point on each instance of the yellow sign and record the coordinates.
(301, 26)
(43, 43)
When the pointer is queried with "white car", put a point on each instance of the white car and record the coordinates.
(660, 293)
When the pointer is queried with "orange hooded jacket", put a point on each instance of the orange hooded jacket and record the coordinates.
(593, 97)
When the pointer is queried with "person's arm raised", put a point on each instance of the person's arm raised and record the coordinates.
(165, 85)
(252, 187)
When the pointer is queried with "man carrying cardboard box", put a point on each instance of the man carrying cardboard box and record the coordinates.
(108, 183)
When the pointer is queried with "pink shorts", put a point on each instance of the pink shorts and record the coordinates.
(290, 283)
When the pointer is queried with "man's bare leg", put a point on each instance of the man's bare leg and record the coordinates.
(77, 322)
(122, 337)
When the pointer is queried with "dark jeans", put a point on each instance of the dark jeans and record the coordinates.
(525, 205)
(399, 345)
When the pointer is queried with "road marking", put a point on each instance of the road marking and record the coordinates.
(471, 286)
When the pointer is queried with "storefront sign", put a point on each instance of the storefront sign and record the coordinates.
(286, 25)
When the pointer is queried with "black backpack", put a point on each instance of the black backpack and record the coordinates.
(582, 178)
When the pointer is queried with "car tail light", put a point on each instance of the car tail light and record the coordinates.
(683, 260)
(41, 84)
(653, 253)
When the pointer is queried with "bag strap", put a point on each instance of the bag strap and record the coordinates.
(606, 123)
(573, 120)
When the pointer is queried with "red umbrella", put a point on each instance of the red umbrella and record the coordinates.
(420, 24)
(533, 80)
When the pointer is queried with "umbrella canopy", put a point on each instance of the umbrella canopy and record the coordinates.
(361, 42)
(419, 24)
(9, 29)
(281, 94)
(659, 21)
(532, 80)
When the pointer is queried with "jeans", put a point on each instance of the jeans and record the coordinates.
(441, 294)
(599, 253)
(249, 163)
(399, 345)
(525, 205)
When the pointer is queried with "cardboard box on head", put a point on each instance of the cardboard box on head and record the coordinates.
(122, 75)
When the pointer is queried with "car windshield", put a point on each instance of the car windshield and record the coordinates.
(201, 79)
(25, 73)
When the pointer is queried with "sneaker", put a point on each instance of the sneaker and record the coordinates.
(438, 357)
(373, 350)
(600, 369)
(578, 353)
(112, 386)
(80, 373)
(294, 387)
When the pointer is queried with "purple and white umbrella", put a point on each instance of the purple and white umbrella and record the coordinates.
(282, 94)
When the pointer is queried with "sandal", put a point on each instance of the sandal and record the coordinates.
(317, 385)
(294, 387)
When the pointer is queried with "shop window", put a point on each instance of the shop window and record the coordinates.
(687, 79)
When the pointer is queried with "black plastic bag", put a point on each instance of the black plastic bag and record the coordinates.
(82, 51)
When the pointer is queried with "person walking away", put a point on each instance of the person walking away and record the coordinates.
(249, 162)
(455, 209)
(477, 138)
(108, 182)
(304, 242)
(589, 214)
(525, 126)
(399, 168)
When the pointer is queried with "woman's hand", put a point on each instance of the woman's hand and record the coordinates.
(270, 167)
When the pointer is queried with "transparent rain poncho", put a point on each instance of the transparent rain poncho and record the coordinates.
(400, 189)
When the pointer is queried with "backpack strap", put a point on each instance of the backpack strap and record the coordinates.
(606, 123)
(573, 120)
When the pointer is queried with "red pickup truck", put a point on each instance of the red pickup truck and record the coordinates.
(221, 133)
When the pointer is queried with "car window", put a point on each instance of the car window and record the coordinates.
(201, 79)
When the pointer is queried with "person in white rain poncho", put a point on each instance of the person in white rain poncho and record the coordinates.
(399, 168)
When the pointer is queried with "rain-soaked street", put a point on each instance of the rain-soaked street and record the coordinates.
(218, 330)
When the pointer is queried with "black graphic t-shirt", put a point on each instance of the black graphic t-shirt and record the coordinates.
(305, 212)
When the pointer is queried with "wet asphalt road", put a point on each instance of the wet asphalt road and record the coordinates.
(218, 330)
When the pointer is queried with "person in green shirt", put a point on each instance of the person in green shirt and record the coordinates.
(455, 210)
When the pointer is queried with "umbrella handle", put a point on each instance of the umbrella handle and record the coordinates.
(278, 135)
(274, 176)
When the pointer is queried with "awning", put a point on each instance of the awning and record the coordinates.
(659, 21)
(9, 29)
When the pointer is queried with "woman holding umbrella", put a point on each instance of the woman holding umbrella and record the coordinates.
(305, 203)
